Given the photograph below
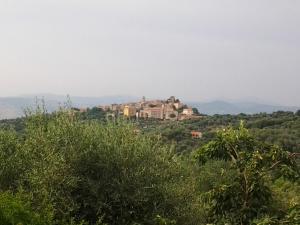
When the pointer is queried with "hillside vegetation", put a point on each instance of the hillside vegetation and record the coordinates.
(280, 128)
(68, 168)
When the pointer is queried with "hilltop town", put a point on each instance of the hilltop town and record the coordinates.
(170, 109)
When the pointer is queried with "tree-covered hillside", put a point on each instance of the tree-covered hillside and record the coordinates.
(69, 168)
(281, 128)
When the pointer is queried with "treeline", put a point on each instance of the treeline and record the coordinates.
(280, 128)
(65, 170)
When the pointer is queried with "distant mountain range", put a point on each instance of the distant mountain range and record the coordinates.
(12, 107)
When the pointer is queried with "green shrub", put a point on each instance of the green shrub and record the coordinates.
(14, 210)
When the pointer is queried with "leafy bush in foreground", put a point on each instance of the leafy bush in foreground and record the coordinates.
(15, 210)
(248, 195)
(90, 172)
(65, 171)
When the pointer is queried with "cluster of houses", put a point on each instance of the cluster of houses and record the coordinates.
(170, 109)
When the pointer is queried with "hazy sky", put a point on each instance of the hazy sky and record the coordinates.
(194, 49)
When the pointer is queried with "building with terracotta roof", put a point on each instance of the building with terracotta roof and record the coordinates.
(196, 134)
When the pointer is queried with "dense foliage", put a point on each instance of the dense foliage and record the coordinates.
(69, 168)
(280, 128)
(247, 196)
(93, 173)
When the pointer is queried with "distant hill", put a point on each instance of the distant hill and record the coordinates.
(12, 107)
(223, 107)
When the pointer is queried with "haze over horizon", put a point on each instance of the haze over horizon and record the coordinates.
(123, 98)
(196, 50)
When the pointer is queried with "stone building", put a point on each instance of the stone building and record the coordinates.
(152, 112)
(129, 111)
(188, 111)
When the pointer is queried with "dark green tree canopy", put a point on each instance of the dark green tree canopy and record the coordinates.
(248, 195)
